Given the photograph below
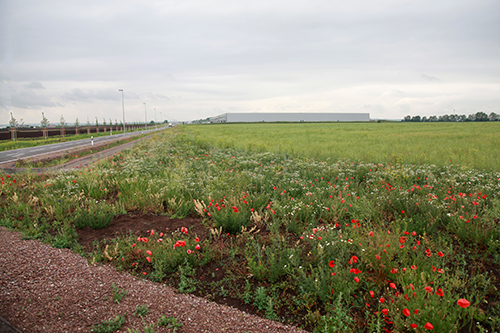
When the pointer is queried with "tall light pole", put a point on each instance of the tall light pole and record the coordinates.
(145, 116)
(155, 118)
(123, 109)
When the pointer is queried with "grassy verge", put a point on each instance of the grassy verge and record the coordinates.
(67, 157)
(328, 245)
(33, 142)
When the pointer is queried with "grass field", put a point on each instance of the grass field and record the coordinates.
(473, 144)
(328, 244)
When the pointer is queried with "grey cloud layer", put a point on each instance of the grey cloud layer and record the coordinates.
(211, 52)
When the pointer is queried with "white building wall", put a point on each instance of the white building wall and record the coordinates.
(292, 117)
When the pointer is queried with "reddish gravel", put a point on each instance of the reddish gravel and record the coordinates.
(52, 290)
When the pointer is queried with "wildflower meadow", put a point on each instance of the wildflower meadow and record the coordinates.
(329, 245)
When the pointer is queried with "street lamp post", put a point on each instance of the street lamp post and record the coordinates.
(123, 110)
(145, 116)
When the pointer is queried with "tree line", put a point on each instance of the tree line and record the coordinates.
(478, 116)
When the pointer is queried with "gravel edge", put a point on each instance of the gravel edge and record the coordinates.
(44, 289)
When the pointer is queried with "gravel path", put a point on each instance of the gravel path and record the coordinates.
(43, 289)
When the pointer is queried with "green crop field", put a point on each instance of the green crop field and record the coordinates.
(329, 227)
(470, 144)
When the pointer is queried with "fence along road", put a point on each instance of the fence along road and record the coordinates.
(22, 153)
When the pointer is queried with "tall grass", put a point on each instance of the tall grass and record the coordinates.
(467, 144)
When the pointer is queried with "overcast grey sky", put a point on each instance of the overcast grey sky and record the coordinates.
(195, 59)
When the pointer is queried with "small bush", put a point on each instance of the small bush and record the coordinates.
(110, 325)
(141, 310)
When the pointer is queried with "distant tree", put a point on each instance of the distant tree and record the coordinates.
(424, 119)
(88, 121)
(96, 121)
(453, 117)
(416, 119)
(44, 122)
(116, 122)
(407, 118)
(471, 117)
(481, 116)
(110, 122)
(462, 118)
(77, 123)
(444, 117)
(494, 117)
(13, 121)
(62, 121)
(104, 121)
(433, 119)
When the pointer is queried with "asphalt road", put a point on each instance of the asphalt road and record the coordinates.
(22, 153)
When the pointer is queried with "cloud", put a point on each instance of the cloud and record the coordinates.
(27, 99)
(151, 96)
(34, 85)
(79, 95)
(430, 78)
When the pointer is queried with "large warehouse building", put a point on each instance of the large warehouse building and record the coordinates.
(287, 116)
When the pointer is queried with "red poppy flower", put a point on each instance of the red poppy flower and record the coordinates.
(370, 233)
(149, 252)
(355, 271)
(197, 246)
(429, 289)
(463, 303)
(416, 311)
(385, 311)
(429, 326)
(402, 239)
(356, 279)
(413, 325)
(148, 259)
(196, 239)
(392, 285)
(372, 294)
(413, 267)
(331, 263)
(406, 312)
(441, 254)
(439, 292)
(382, 300)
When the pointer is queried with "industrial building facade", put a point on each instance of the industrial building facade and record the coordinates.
(256, 117)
